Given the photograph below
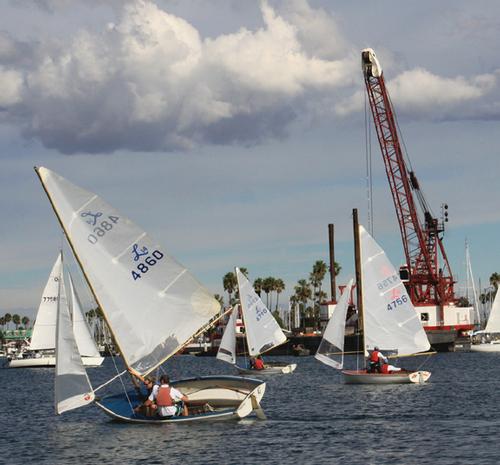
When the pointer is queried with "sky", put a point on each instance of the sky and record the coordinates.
(234, 132)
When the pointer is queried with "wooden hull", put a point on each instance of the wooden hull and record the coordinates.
(401, 377)
(50, 361)
(229, 397)
(485, 347)
(271, 369)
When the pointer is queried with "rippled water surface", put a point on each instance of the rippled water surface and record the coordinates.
(312, 418)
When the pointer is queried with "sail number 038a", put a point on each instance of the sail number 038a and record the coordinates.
(149, 261)
(102, 229)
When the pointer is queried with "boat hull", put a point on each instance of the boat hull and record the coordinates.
(270, 369)
(485, 347)
(33, 362)
(401, 377)
(231, 398)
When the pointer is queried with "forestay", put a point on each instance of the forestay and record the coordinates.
(331, 347)
(72, 385)
(261, 329)
(227, 348)
(493, 325)
(151, 303)
(83, 336)
(390, 319)
(44, 329)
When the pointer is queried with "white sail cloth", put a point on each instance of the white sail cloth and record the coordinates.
(493, 325)
(331, 347)
(261, 329)
(390, 319)
(83, 336)
(44, 329)
(72, 386)
(227, 348)
(152, 304)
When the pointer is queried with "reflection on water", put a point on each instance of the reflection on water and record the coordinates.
(312, 418)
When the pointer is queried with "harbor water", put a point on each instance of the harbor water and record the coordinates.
(312, 418)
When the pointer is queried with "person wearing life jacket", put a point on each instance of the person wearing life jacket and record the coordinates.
(170, 402)
(388, 369)
(258, 363)
(376, 360)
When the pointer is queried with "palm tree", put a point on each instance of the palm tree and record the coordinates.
(267, 287)
(16, 319)
(257, 285)
(25, 321)
(302, 293)
(2, 322)
(230, 283)
(7, 317)
(279, 287)
(494, 280)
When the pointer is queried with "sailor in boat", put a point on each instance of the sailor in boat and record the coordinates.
(147, 410)
(388, 369)
(170, 402)
(257, 363)
(376, 361)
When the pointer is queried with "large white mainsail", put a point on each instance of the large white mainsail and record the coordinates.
(261, 329)
(44, 329)
(152, 304)
(331, 347)
(390, 319)
(83, 336)
(493, 325)
(72, 385)
(227, 348)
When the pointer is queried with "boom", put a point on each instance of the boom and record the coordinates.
(430, 281)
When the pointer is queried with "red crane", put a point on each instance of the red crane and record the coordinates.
(430, 281)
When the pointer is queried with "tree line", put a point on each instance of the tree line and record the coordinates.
(16, 319)
(307, 297)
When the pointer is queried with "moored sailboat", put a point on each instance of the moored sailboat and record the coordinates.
(41, 349)
(152, 305)
(488, 343)
(262, 332)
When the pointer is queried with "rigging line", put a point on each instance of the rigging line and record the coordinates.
(368, 169)
(121, 380)
(110, 381)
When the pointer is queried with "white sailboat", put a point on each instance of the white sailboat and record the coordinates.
(389, 320)
(152, 304)
(489, 344)
(262, 331)
(41, 350)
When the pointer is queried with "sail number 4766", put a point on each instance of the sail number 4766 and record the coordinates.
(149, 261)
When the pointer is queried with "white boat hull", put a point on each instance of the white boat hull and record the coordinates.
(485, 347)
(270, 369)
(400, 377)
(230, 397)
(50, 361)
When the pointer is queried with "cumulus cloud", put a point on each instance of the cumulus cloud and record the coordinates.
(149, 81)
(419, 92)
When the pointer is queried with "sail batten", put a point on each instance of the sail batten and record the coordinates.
(147, 327)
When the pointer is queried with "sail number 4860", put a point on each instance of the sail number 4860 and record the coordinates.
(150, 261)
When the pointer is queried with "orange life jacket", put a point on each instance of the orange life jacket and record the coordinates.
(258, 364)
(164, 399)
(385, 369)
(374, 356)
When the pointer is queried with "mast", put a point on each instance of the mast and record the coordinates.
(359, 279)
(332, 262)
